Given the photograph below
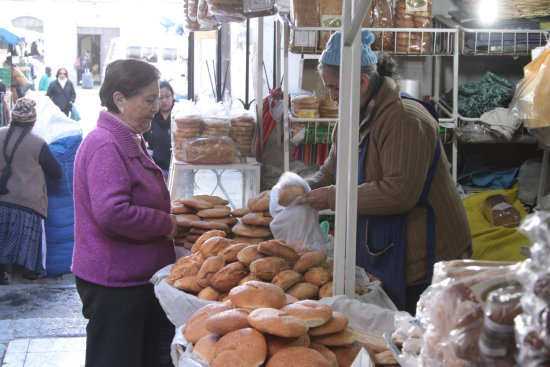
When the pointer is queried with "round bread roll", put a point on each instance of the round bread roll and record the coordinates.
(257, 294)
(230, 253)
(304, 290)
(178, 208)
(346, 355)
(326, 290)
(277, 322)
(196, 203)
(244, 347)
(185, 220)
(188, 284)
(288, 193)
(260, 202)
(256, 219)
(336, 324)
(204, 347)
(214, 213)
(198, 231)
(214, 245)
(209, 294)
(212, 199)
(227, 277)
(276, 343)
(211, 233)
(313, 313)
(340, 339)
(250, 240)
(189, 121)
(290, 299)
(327, 353)
(318, 276)
(240, 212)
(266, 268)
(278, 248)
(228, 321)
(198, 257)
(310, 260)
(210, 225)
(248, 278)
(195, 328)
(249, 254)
(183, 269)
(297, 356)
(210, 266)
(230, 221)
(241, 229)
(287, 278)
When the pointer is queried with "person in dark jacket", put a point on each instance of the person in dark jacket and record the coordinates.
(62, 92)
(24, 159)
(158, 136)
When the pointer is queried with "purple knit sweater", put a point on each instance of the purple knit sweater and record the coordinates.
(122, 208)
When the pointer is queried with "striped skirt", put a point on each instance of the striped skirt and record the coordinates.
(21, 238)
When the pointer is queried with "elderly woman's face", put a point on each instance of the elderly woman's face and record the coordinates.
(140, 109)
(332, 83)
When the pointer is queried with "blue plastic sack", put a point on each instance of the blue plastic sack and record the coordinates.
(74, 114)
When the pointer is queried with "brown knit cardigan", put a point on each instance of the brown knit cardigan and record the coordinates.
(400, 151)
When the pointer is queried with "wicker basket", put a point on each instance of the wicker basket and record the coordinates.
(511, 9)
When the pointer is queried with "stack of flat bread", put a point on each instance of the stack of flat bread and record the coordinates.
(328, 108)
(198, 215)
(305, 106)
(215, 126)
(243, 127)
(183, 129)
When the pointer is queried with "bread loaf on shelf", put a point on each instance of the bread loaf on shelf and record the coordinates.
(206, 150)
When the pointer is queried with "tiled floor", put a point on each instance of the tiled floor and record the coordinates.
(46, 352)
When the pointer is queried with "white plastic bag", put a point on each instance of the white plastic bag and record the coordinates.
(295, 224)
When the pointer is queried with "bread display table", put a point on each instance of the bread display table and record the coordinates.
(236, 182)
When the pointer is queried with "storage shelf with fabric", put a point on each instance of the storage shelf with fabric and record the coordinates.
(490, 64)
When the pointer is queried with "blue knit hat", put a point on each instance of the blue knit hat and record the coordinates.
(331, 55)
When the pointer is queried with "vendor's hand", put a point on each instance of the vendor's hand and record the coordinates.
(317, 199)
(174, 231)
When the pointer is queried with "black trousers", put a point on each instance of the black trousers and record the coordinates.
(127, 327)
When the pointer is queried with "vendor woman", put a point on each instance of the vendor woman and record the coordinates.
(410, 214)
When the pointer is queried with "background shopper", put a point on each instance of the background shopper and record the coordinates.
(46, 79)
(158, 136)
(24, 158)
(62, 92)
(123, 225)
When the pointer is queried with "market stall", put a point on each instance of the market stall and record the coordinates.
(237, 295)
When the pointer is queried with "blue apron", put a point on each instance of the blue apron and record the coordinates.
(381, 239)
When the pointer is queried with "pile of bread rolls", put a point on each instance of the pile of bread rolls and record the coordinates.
(305, 106)
(199, 214)
(253, 226)
(413, 42)
(259, 324)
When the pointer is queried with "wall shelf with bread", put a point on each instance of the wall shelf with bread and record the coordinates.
(407, 34)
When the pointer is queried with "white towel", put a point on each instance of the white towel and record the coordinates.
(501, 122)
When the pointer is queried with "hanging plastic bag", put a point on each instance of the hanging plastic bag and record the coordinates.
(74, 114)
(532, 94)
(294, 224)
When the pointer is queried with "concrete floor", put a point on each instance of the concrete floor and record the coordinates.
(41, 323)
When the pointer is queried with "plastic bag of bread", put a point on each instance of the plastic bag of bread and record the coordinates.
(330, 15)
(413, 15)
(500, 212)
(304, 13)
(294, 224)
(380, 15)
(451, 314)
(243, 128)
(227, 11)
(207, 150)
(305, 105)
(206, 19)
(186, 124)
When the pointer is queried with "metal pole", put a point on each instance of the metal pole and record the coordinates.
(219, 67)
(191, 66)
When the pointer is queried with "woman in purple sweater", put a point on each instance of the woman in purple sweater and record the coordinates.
(123, 225)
